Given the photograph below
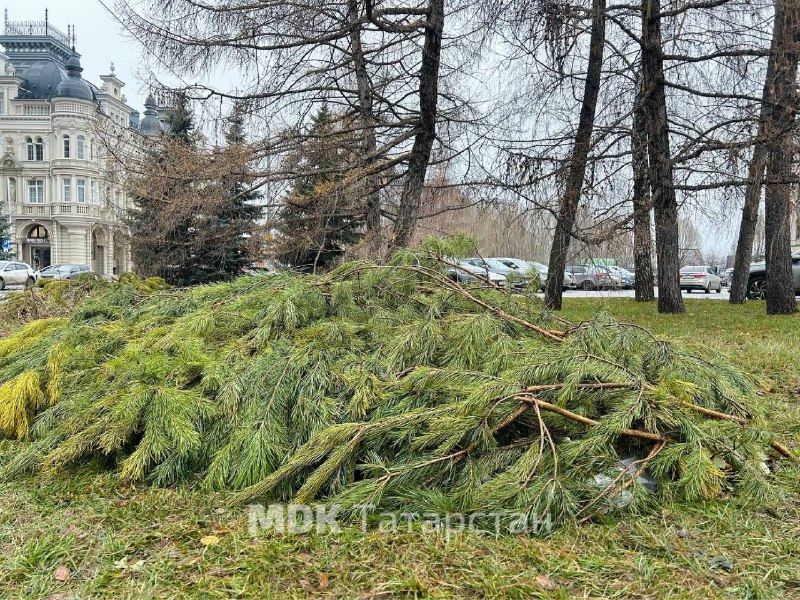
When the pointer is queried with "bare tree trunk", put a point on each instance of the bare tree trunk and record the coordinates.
(642, 236)
(408, 210)
(747, 228)
(367, 117)
(662, 184)
(752, 193)
(568, 206)
(780, 134)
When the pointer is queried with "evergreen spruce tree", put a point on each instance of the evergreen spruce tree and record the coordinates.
(192, 230)
(222, 251)
(319, 219)
(158, 244)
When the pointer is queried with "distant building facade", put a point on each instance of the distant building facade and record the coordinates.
(62, 193)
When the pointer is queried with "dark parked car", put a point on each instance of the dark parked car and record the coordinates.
(757, 279)
(627, 277)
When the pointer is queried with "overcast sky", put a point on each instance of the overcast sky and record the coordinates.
(100, 40)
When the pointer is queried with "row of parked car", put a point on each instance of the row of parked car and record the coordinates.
(14, 272)
(522, 273)
(501, 271)
(601, 277)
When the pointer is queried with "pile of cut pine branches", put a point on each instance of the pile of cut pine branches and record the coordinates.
(59, 298)
(388, 385)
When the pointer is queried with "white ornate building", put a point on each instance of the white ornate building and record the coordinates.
(58, 186)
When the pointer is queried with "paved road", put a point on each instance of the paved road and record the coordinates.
(629, 294)
(9, 289)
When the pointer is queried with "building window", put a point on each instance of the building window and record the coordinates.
(36, 191)
(35, 149)
(81, 147)
(93, 192)
(66, 146)
(38, 233)
(2, 103)
(117, 199)
(67, 189)
(80, 187)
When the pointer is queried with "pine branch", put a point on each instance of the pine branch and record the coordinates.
(385, 383)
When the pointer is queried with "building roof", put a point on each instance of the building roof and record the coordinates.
(151, 124)
(74, 86)
(42, 58)
(40, 78)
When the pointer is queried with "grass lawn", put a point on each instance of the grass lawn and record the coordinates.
(88, 537)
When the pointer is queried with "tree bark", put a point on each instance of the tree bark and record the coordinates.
(780, 133)
(642, 236)
(749, 222)
(408, 210)
(752, 193)
(662, 184)
(568, 205)
(367, 118)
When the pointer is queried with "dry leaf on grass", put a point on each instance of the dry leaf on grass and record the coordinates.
(62, 574)
(545, 582)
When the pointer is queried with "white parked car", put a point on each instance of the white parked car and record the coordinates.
(526, 267)
(522, 266)
(466, 273)
(518, 272)
(700, 277)
(13, 272)
(594, 277)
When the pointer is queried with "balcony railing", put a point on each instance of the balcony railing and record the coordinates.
(35, 110)
(58, 209)
(36, 28)
(84, 210)
(37, 210)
